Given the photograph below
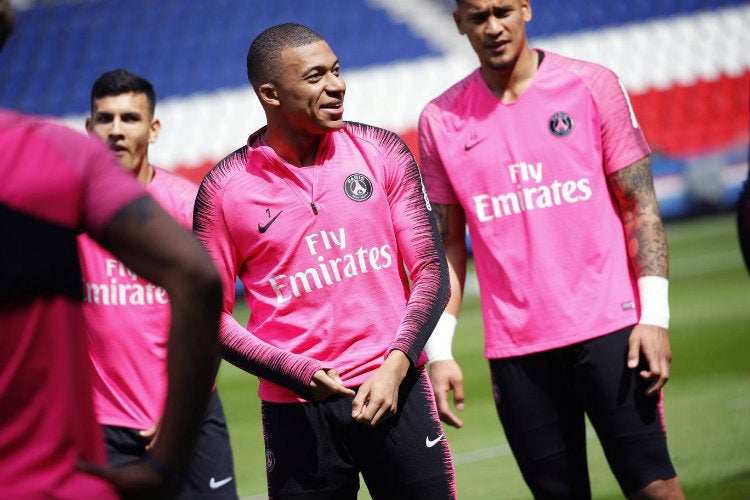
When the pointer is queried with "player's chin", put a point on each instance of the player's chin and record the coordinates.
(332, 125)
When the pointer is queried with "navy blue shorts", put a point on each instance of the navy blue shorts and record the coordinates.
(316, 450)
(541, 399)
(211, 470)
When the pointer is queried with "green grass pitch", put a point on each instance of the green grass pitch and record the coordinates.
(707, 401)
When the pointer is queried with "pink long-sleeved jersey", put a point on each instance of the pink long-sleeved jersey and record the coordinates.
(323, 253)
(531, 177)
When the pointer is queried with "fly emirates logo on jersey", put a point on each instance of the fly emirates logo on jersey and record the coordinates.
(531, 193)
(333, 264)
(123, 288)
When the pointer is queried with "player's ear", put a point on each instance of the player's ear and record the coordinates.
(89, 126)
(154, 130)
(268, 94)
(457, 20)
(526, 10)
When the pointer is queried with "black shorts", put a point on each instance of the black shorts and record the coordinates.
(316, 450)
(541, 399)
(211, 470)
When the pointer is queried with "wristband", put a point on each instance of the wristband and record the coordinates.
(438, 346)
(654, 295)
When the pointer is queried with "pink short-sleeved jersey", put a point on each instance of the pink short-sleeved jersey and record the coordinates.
(531, 177)
(323, 253)
(127, 321)
(55, 181)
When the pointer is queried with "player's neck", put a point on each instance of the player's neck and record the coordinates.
(294, 148)
(145, 172)
(507, 84)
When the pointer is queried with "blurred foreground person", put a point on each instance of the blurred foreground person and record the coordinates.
(57, 182)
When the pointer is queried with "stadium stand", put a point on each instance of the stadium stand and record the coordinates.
(690, 91)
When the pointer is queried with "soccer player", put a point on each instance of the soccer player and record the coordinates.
(127, 317)
(542, 158)
(57, 182)
(325, 222)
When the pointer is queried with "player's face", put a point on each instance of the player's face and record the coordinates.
(125, 123)
(496, 29)
(311, 90)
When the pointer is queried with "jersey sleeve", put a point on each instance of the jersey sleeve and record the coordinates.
(419, 244)
(623, 142)
(239, 346)
(436, 181)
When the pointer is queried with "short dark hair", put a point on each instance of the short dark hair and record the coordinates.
(7, 20)
(263, 55)
(122, 81)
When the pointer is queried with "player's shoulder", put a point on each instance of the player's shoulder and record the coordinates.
(43, 129)
(586, 71)
(380, 141)
(174, 183)
(227, 168)
(364, 132)
(453, 94)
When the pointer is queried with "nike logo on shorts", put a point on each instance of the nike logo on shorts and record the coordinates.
(214, 484)
(432, 442)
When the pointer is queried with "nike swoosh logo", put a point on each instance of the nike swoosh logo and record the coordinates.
(263, 229)
(432, 442)
(214, 484)
(470, 145)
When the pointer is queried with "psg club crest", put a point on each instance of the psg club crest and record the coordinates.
(358, 187)
(561, 124)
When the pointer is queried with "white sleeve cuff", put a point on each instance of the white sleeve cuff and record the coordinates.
(438, 346)
(654, 295)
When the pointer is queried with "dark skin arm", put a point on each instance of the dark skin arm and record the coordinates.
(157, 248)
(633, 188)
(446, 375)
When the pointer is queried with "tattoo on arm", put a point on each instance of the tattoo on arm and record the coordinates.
(633, 188)
(441, 218)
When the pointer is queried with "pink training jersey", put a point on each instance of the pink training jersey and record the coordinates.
(127, 321)
(54, 182)
(323, 253)
(531, 177)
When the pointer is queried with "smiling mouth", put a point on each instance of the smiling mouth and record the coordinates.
(333, 105)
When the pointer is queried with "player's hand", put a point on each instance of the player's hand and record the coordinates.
(651, 342)
(327, 383)
(136, 480)
(150, 434)
(447, 376)
(377, 398)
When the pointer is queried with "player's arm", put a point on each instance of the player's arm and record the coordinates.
(633, 188)
(445, 372)
(156, 247)
(307, 377)
(418, 242)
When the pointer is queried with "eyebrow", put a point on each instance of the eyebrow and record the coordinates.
(321, 67)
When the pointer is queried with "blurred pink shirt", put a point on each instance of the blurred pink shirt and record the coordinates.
(61, 181)
(127, 321)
